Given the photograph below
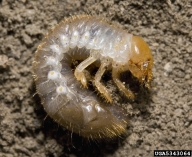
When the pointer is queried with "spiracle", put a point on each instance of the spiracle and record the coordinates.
(90, 40)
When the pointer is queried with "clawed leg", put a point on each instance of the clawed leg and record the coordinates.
(120, 85)
(101, 88)
(79, 74)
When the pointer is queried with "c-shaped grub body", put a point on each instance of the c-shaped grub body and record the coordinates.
(88, 39)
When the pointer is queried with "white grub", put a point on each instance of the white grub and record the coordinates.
(87, 39)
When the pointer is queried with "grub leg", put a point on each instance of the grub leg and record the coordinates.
(79, 71)
(120, 85)
(101, 88)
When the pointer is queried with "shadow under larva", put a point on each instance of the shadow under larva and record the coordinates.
(94, 43)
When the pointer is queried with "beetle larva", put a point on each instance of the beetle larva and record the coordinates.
(88, 39)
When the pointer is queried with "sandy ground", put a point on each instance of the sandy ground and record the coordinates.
(161, 120)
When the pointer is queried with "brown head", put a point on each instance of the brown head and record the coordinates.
(141, 60)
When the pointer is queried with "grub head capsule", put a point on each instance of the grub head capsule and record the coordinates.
(141, 60)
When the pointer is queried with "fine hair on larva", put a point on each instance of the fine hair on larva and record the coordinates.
(65, 93)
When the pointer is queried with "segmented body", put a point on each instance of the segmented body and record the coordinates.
(80, 109)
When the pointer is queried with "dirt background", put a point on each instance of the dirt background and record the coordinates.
(162, 122)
